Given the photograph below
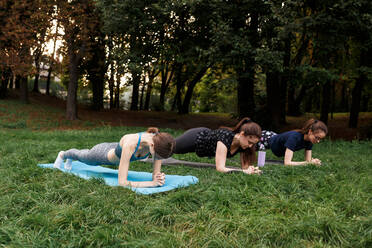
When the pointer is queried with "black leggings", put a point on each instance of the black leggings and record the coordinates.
(186, 142)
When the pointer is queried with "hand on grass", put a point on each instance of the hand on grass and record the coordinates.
(315, 161)
(252, 170)
(159, 179)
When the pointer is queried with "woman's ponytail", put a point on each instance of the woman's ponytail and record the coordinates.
(313, 125)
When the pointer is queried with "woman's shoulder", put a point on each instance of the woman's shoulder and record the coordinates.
(129, 135)
(292, 135)
(223, 131)
(129, 138)
(224, 135)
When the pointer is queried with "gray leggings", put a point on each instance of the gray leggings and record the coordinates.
(186, 142)
(97, 155)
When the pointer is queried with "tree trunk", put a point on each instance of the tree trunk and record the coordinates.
(47, 89)
(24, 90)
(190, 89)
(365, 100)
(37, 74)
(148, 94)
(177, 97)
(165, 82)
(179, 84)
(135, 90)
(96, 69)
(36, 83)
(5, 77)
(142, 93)
(51, 61)
(163, 90)
(152, 74)
(111, 80)
(273, 99)
(326, 96)
(175, 102)
(18, 82)
(246, 104)
(293, 109)
(283, 100)
(333, 92)
(71, 104)
(117, 92)
(344, 102)
(355, 101)
(3, 88)
(284, 80)
(97, 82)
(111, 87)
(358, 88)
(11, 81)
(246, 72)
(309, 101)
(294, 103)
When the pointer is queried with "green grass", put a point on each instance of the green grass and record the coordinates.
(16, 115)
(327, 206)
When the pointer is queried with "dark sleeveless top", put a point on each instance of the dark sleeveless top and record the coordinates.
(206, 142)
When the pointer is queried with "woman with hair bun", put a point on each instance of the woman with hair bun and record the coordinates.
(285, 144)
(223, 143)
(131, 147)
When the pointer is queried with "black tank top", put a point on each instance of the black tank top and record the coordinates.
(206, 142)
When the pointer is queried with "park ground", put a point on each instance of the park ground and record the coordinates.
(308, 206)
(42, 108)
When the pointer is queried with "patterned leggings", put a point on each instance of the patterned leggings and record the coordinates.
(264, 143)
(97, 155)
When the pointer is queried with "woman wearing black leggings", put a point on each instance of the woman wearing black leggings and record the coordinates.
(223, 143)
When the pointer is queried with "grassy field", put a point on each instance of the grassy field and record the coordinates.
(327, 206)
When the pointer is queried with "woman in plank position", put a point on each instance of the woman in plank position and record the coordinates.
(131, 147)
(223, 143)
(285, 144)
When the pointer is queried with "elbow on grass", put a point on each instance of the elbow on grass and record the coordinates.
(287, 163)
(125, 183)
(223, 170)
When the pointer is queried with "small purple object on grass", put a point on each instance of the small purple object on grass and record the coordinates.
(261, 158)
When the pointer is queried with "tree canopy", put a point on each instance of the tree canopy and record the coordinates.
(275, 58)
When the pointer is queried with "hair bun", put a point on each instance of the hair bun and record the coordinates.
(153, 130)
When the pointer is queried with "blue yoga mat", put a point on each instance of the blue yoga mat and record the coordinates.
(110, 176)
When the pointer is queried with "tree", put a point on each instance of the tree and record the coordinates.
(360, 29)
(51, 58)
(78, 21)
(95, 61)
(132, 23)
(274, 59)
(152, 73)
(236, 28)
(22, 21)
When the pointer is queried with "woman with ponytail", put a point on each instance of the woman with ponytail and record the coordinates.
(131, 147)
(285, 144)
(223, 143)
